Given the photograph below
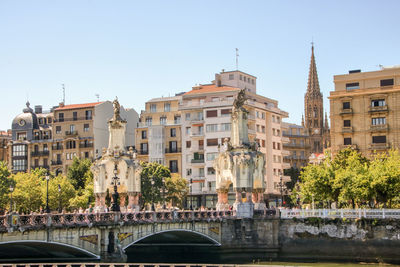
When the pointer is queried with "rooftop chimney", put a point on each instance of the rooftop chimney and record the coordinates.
(38, 109)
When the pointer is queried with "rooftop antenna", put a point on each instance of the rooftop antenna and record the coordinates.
(63, 87)
(98, 97)
(237, 59)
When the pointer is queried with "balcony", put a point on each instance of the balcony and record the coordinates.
(379, 128)
(86, 145)
(348, 146)
(285, 140)
(73, 119)
(197, 135)
(39, 153)
(379, 146)
(347, 129)
(40, 166)
(197, 120)
(143, 152)
(173, 150)
(197, 161)
(57, 147)
(291, 145)
(345, 111)
(196, 148)
(56, 162)
(71, 133)
(378, 109)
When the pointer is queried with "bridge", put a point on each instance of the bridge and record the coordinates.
(111, 236)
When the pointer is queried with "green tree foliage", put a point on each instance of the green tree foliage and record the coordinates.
(84, 196)
(78, 172)
(152, 182)
(28, 193)
(176, 189)
(66, 193)
(5, 182)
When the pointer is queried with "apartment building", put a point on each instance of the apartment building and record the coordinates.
(52, 139)
(299, 146)
(365, 111)
(158, 137)
(5, 137)
(206, 122)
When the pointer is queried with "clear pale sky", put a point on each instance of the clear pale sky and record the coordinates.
(138, 50)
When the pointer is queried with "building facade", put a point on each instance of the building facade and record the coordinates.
(159, 137)
(206, 122)
(52, 139)
(299, 146)
(5, 137)
(365, 111)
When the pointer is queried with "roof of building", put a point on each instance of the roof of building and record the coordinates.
(161, 99)
(5, 133)
(76, 106)
(210, 88)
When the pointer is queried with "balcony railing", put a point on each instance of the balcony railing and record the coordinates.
(73, 119)
(347, 146)
(56, 162)
(291, 145)
(379, 128)
(198, 134)
(85, 145)
(40, 166)
(379, 146)
(173, 150)
(344, 111)
(348, 129)
(71, 133)
(379, 109)
(39, 153)
(143, 152)
(197, 160)
(57, 147)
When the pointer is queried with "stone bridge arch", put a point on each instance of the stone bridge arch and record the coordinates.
(43, 250)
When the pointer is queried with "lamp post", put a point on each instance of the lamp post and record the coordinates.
(191, 199)
(11, 200)
(115, 195)
(152, 195)
(281, 187)
(59, 199)
(47, 193)
(163, 192)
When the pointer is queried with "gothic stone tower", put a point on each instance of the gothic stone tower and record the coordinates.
(314, 111)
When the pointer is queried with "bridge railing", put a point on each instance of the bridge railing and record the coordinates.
(109, 218)
(341, 213)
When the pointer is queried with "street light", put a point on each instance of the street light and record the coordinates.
(11, 201)
(163, 192)
(281, 187)
(115, 181)
(190, 187)
(47, 193)
(152, 198)
(59, 199)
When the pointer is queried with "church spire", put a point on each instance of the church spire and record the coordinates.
(302, 120)
(313, 84)
(326, 121)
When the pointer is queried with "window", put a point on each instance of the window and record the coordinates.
(167, 107)
(278, 132)
(58, 129)
(258, 128)
(273, 118)
(263, 115)
(49, 120)
(75, 116)
(149, 121)
(173, 132)
(263, 143)
(201, 144)
(143, 148)
(263, 129)
(278, 119)
(378, 103)
(144, 134)
(187, 130)
(211, 128)
(240, 77)
(210, 171)
(45, 162)
(88, 114)
(387, 82)
(278, 146)
(163, 120)
(21, 136)
(352, 86)
(212, 142)
(225, 127)
(60, 117)
(347, 141)
(86, 127)
(379, 121)
(72, 128)
(40, 120)
(19, 150)
(212, 113)
(214, 99)
(346, 123)
(346, 105)
(226, 112)
(188, 172)
(19, 164)
(273, 131)
(71, 144)
(86, 155)
(187, 116)
(379, 139)
(177, 119)
(252, 81)
(153, 108)
(173, 146)
(231, 77)
(201, 172)
(211, 156)
(188, 144)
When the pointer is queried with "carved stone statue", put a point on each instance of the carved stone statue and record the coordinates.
(117, 108)
(240, 99)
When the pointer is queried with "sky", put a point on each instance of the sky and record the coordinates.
(138, 50)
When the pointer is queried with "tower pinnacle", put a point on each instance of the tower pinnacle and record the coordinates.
(313, 83)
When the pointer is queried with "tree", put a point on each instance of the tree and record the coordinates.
(5, 182)
(78, 172)
(28, 190)
(84, 196)
(152, 182)
(67, 192)
(176, 189)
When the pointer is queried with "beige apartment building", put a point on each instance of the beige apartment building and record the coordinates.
(299, 146)
(206, 122)
(5, 137)
(365, 111)
(158, 137)
(53, 138)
